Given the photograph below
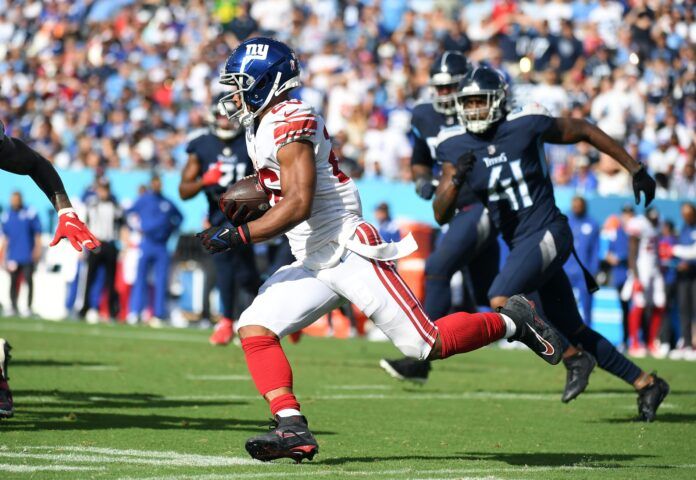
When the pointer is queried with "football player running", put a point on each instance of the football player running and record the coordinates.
(216, 160)
(17, 157)
(470, 240)
(339, 257)
(499, 154)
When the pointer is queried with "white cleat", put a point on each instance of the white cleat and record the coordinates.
(92, 316)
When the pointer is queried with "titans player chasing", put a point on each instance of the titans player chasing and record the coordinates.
(500, 156)
(470, 241)
(218, 159)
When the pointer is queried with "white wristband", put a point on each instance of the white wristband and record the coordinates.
(66, 211)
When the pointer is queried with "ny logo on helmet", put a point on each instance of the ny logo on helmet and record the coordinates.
(256, 50)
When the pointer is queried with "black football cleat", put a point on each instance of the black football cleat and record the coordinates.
(289, 438)
(6, 403)
(534, 332)
(650, 397)
(408, 369)
(579, 367)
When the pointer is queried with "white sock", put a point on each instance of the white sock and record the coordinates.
(288, 412)
(510, 327)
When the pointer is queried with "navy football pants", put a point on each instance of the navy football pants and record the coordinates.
(469, 241)
(236, 276)
(536, 263)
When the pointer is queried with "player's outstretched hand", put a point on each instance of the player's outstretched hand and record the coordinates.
(223, 238)
(71, 227)
(643, 182)
(465, 164)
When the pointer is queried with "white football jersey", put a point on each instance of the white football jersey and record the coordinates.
(336, 211)
(648, 235)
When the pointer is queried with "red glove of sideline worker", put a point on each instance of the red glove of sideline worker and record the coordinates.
(72, 228)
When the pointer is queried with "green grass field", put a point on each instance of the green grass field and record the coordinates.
(134, 403)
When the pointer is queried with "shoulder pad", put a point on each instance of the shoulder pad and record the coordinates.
(449, 132)
(528, 109)
(290, 109)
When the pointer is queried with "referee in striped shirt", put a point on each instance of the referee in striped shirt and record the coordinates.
(104, 217)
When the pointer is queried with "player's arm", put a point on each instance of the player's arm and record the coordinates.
(16, 157)
(190, 183)
(685, 252)
(445, 202)
(422, 168)
(298, 178)
(297, 182)
(573, 130)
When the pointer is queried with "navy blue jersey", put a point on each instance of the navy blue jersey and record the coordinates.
(426, 124)
(510, 175)
(209, 149)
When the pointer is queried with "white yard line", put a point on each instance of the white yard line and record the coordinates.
(117, 332)
(6, 467)
(551, 397)
(181, 460)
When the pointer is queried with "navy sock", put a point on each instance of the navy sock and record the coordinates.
(607, 356)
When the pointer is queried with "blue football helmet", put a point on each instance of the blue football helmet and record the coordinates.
(259, 69)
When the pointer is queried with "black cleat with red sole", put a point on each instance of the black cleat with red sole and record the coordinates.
(289, 438)
(532, 330)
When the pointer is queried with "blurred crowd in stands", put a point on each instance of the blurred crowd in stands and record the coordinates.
(124, 83)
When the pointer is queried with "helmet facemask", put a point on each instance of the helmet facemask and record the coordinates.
(443, 87)
(478, 109)
(242, 84)
(224, 121)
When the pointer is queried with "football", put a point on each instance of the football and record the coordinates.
(244, 201)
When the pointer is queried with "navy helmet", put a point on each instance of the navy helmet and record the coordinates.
(445, 74)
(259, 70)
(222, 122)
(481, 99)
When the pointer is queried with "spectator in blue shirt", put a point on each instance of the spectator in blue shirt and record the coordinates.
(158, 219)
(584, 181)
(617, 257)
(586, 242)
(21, 248)
(387, 228)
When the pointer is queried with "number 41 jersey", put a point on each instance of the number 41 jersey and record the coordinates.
(336, 210)
(510, 175)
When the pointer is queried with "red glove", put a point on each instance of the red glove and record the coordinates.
(665, 251)
(213, 175)
(72, 228)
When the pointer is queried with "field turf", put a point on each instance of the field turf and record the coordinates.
(110, 402)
